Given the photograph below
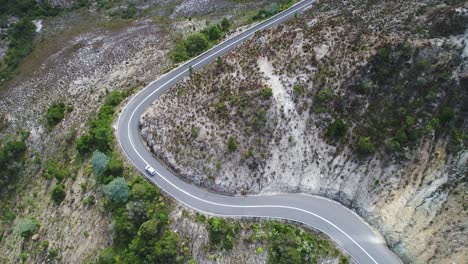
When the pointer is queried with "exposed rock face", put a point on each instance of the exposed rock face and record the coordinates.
(370, 64)
(79, 56)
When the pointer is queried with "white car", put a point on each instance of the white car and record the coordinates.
(150, 170)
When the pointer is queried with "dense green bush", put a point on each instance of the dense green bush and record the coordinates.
(299, 89)
(139, 229)
(26, 227)
(55, 114)
(337, 129)
(58, 193)
(11, 160)
(221, 232)
(53, 169)
(20, 38)
(100, 135)
(267, 93)
(213, 32)
(232, 144)
(114, 98)
(21, 34)
(195, 44)
(114, 167)
(447, 114)
(117, 190)
(289, 244)
(107, 256)
(100, 161)
(365, 145)
(225, 24)
(27, 8)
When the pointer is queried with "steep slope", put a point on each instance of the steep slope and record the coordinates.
(356, 101)
(79, 57)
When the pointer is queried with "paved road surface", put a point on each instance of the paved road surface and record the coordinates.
(339, 223)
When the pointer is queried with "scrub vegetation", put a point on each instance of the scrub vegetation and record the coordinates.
(197, 43)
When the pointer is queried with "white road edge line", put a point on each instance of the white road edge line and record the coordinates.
(197, 198)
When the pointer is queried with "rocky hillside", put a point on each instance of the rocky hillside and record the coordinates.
(364, 102)
(53, 209)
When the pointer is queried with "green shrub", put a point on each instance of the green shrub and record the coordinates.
(114, 98)
(26, 227)
(221, 233)
(299, 89)
(114, 167)
(225, 24)
(55, 114)
(27, 8)
(12, 155)
(54, 170)
(117, 190)
(213, 32)
(58, 193)
(221, 108)
(337, 129)
(84, 144)
(107, 256)
(433, 125)
(289, 244)
(52, 253)
(166, 249)
(123, 230)
(365, 145)
(179, 53)
(99, 161)
(100, 134)
(232, 144)
(23, 257)
(394, 145)
(195, 44)
(446, 115)
(267, 93)
(20, 36)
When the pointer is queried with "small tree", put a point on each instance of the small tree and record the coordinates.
(446, 115)
(366, 146)
(55, 114)
(99, 161)
(337, 129)
(267, 93)
(220, 232)
(114, 167)
(225, 24)
(213, 32)
(114, 98)
(117, 190)
(196, 44)
(26, 227)
(84, 144)
(232, 144)
(58, 193)
(179, 52)
(107, 256)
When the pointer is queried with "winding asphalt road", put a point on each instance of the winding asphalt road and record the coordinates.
(343, 226)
